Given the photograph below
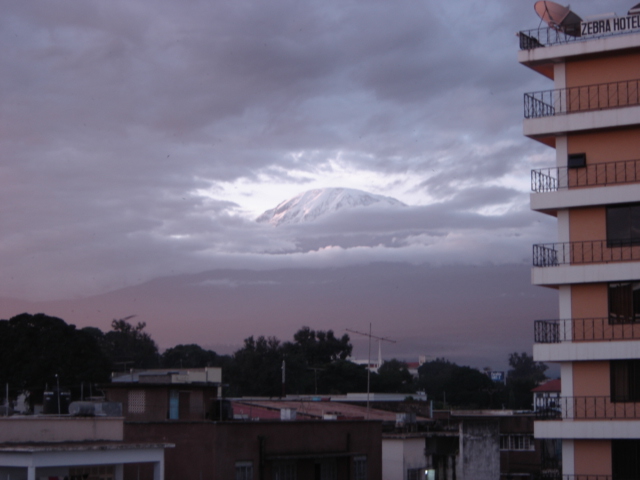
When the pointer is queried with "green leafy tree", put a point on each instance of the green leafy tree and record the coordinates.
(319, 347)
(190, 356)
(310, 353)
(525, 374)
(36, 348)
(342, 376)
(257, 368)
(393, 377)
(314, 359)
(452, 385)
(129, 346)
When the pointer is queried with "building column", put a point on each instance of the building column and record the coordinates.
(158, 470)
(562, 152)
(560, 75)
(568, 459)
(31, 473)
(566, 374)
(119, 472)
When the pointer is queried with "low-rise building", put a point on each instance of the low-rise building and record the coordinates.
(178, 407)
(67, 447)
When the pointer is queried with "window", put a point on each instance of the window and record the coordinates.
(326, 470)
(360, 468)
(625, 459)
(623, 225)
(284, 471)
(517, 442)
(577, 160)
(174, 405)
(98, 472)
(624, 302)
(136, 401)
(244, 470)
(625, 380)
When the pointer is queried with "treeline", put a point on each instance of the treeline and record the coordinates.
(39, 351)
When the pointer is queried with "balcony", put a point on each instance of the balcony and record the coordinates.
(552, 179)
(545, 476)
(588, 408)
(583, 253)
(584, 330)
(586, 98)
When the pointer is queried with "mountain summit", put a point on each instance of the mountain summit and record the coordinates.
(313, 204)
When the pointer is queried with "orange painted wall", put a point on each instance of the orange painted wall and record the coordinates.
(606, 146)
(591, 379)
(612, 68)
(587, 224)
(589, 300)
(592, 457)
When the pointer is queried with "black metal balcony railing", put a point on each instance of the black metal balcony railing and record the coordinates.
(579, 253)
(587, 408)
(584, 330)
(544, 476)
(596, 174)
(581, 99)
(543, 37)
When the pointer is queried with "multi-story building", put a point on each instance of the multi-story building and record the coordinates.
(591, 117)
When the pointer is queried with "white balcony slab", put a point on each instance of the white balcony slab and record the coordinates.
(587, 429)
(586, 351)
(591, 273)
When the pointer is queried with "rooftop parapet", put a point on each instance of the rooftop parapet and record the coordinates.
(589, 30)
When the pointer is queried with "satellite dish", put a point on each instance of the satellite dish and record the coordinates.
(635, 10)
(558, 17)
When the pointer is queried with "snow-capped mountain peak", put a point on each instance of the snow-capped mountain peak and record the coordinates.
(313, 204)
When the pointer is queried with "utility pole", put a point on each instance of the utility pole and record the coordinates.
(284, 385)
(380, 340)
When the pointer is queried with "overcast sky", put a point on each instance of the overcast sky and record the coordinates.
(140, 139)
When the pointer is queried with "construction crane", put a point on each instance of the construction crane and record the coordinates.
(380, 340)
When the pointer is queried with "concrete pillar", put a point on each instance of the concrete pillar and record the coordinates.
(119, 472)
(31, 473)
(158, 470)
(568, 459)
(559, 75)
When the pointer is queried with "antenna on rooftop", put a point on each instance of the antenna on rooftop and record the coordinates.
(380, 339)
(558, 17)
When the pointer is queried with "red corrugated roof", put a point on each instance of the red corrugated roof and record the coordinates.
(550, 386)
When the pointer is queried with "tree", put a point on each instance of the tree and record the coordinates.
(454, 385)
(312, 352)
(256, 368)
(312, 358)
(129, 346)
(36, 348)
(319, 348)
(342, 376)
(525, 374)
(189, 356)
(393, 377)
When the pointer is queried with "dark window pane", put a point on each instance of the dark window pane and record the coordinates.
(625, 459)
(623, 225)
(621, 303)
(625, 380)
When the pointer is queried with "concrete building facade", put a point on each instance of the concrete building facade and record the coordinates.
(591, 117)
(67, 447)
(179, 407)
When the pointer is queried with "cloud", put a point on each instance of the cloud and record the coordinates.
(139, 139)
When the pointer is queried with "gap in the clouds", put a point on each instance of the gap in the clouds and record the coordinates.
(270, 188)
